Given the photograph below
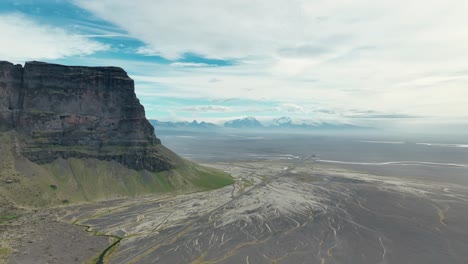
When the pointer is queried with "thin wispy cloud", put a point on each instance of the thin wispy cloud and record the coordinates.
(204, 108)
(383, 116)
(190, 64)
(25, 39)
(291, 108)
(213, 80)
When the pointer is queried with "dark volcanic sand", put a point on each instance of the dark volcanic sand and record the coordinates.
(39, 238)
(293, 211)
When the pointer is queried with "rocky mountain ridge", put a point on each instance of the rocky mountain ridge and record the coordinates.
(195, 125)
(252, 124)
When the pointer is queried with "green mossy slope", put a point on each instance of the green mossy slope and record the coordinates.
(79, 180)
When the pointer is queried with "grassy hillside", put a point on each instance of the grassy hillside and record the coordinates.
(76, 180)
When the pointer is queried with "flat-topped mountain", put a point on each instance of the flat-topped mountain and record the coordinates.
(76, 133)
(70, 111)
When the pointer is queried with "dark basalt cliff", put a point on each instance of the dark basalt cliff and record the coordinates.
(84, 112)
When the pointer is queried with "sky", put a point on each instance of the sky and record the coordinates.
(385, 64)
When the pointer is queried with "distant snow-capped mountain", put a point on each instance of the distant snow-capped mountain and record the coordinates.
(182, 125)
(282, 121)
(248, 122)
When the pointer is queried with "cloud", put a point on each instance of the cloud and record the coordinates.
(398, 58)
(371, 114)
(434, 79)
(214, 80)
(227, 29)
(147, 51)
(190, 64)
(291, 108)
(304, 51)
(384, 116)
(204, 108)
(24, 39)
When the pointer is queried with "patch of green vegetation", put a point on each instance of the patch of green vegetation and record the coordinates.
(248, 182)
(41, 137)
(4, 251)
(57, 148)
(6, 218)
(212, 180)
(205, 178)
(65, 201)
(40, 112)
(265, 178)
(245, 183)
(53, 187)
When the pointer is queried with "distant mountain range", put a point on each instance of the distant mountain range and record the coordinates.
(251, 123)
(194, 125)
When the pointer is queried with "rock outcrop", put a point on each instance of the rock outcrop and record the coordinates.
(84, 112)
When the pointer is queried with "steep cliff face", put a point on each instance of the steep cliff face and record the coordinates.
(69, 111)
(11, 78)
